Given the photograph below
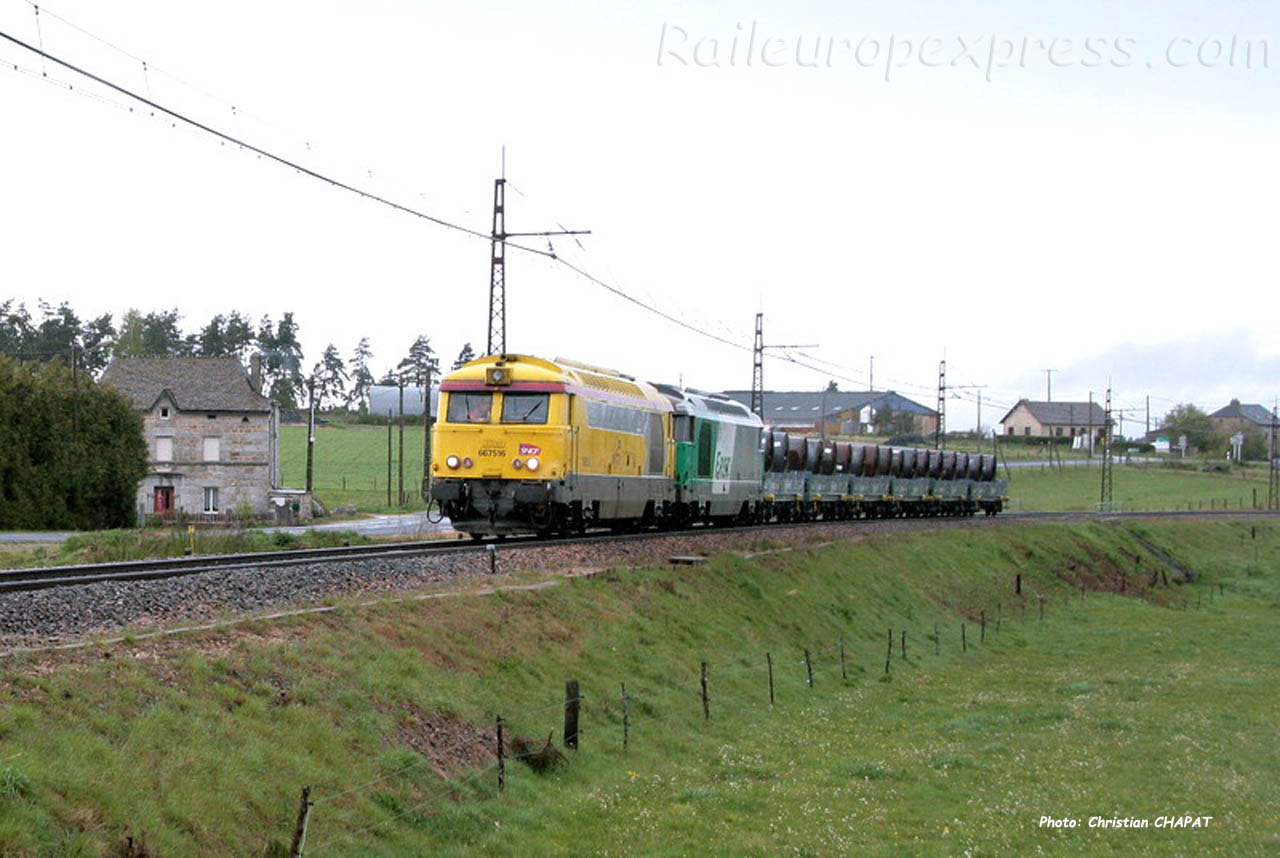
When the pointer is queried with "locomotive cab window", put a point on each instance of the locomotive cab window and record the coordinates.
(682, 428)
(469, 407)
(525, 407)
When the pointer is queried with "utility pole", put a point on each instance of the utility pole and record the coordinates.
(1273, 476)
(497, 342)
(426, 436)
(940, 428)
(311, 429)
(1048, 384)
(400, 481)
(1105, 497)
(1089, 417)
(978, 428)
(1148, 431)
(757, 367)
(871, 374)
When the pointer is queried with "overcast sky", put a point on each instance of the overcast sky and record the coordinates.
(1087, 187)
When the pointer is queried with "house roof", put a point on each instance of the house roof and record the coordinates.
(1063, 413)
(806, 406)
(194, 384)
(1254, 413)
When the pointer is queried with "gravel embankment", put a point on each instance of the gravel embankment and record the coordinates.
(45, 617)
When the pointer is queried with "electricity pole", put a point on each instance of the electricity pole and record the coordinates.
(1273, 477)
(757, 367)
(1048, 384)
(497, 342)
(871, 373)
(940, 428)
(1105, 497)
(426, 436)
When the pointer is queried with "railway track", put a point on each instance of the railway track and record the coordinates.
(48, 577)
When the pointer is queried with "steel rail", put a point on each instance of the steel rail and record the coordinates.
(47, 577)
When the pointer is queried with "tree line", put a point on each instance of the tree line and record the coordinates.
(59, 335)
(71, 453)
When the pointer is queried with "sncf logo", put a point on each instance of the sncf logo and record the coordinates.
(530, 450)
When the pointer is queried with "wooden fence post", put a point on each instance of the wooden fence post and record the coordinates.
(769, 659)
(888, 656)
(1017, 587)
(982, 628)
(502, 759)
(844, 673)
(626, 718)
(808, 667)
(572, 706)
(706, 702)
(999, 611)
(964, 643)
(300, 827)
(493, 559)
(904, 644)
(937, 641)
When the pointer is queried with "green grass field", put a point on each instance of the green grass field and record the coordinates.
(351, 468)
(1159, 701)
(1135, 488)
(350, 465)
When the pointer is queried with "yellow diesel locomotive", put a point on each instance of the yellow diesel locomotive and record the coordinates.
(524, 444)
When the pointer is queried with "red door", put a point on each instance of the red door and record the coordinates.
(164, 500)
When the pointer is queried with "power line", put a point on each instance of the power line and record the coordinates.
(260, 151)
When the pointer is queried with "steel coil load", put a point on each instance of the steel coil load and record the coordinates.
(884, 460)
(935, 463)
(778, 451)
(812, 454)
(895, 461)
(827, 462)
(795, 453)
(870, 460)
(844, 455)
(908, 463)
(948, 465)
(856, 452)
(962, 466)
(988, 468)
(975, 466)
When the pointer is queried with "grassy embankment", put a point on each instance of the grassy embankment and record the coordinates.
(1118, 704)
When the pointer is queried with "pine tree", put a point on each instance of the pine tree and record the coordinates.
(467, 354)
(361, 377)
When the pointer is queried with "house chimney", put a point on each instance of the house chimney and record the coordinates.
(255, 372)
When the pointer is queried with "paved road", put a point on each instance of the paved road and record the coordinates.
(408, 524)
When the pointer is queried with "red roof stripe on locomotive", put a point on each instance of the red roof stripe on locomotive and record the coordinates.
(518, 386)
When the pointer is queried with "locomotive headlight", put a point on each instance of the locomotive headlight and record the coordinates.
(452, 462)
(532, 463)
(517, 464)
(466, 463)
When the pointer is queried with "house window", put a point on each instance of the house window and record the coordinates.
(1010, 432)
(210, 499)
(211, 416)
(212, 449)
(1058, 431)
(164, 449)
(164, 412)
(1026, 430)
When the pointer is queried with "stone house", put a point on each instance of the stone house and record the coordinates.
(1055, 419)
(213, 438)
(1234, 417)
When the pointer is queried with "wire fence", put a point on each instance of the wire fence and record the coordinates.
(618, 713)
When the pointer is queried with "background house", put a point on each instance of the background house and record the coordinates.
(213, 438)
(1235, 417)
(845, 413)
(1055, 419)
